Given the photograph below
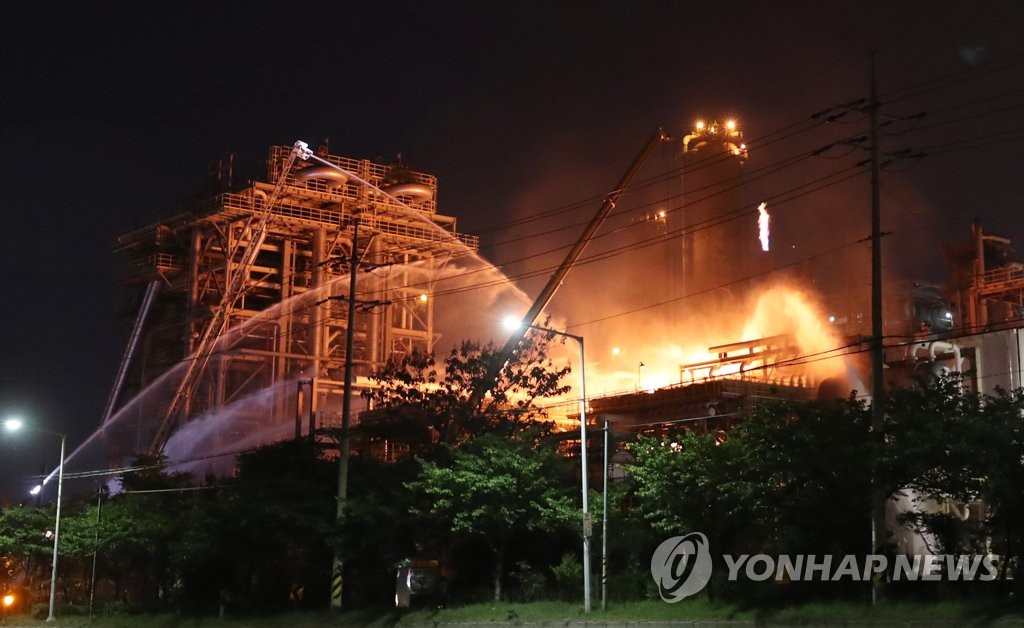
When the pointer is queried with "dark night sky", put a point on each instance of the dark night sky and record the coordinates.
(114, 111)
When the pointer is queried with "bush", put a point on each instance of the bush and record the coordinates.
(568, 577)
(40, 610)
(531, 583)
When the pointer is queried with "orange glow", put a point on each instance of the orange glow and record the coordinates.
(780, 309)
(700, 125)
(423, 298)
(730, 124)
(784, 309)
(8, 599)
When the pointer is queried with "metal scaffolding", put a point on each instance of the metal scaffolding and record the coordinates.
(268, 286)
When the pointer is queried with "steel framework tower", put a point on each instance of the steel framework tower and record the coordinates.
(285, 323)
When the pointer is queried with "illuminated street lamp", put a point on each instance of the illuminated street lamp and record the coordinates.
(511, 323)
(8, 601)
(13, 425)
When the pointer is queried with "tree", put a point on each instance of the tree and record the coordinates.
(934, 435)
(274, 523)
(1002, 457)
(379, 528)
(495, 486)
(25, 551)
(412, 392)
(948, 443)
(476, 460)
(808, 466)
(784, 481)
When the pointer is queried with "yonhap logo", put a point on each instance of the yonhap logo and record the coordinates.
(681, 566)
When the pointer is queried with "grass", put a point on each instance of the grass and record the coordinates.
(950, 613)
(538, 612)
(839, 613)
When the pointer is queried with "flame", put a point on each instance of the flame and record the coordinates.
(786, 309)
(763, 221)
(781, 308)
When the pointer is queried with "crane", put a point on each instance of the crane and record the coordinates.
(502, 357)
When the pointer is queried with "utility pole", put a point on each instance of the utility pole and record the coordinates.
(878, 498)
(604, 524)
(878, 531)
(337, 576)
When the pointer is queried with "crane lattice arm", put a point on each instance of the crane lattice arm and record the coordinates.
(502, 357)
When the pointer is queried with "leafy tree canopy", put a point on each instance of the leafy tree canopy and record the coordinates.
(419, 391)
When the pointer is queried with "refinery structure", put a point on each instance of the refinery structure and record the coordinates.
(247, 293)
(243, 301)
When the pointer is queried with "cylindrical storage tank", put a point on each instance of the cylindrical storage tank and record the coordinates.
(333, 178)
(416, 192)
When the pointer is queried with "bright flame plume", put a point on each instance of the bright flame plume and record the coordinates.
(763, 222)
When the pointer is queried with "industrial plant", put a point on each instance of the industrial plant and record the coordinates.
(242, 305)
(246, 293)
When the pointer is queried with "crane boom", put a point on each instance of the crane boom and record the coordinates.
(129, 352)
(542, 300)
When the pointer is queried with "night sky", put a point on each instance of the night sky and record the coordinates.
(113, 113)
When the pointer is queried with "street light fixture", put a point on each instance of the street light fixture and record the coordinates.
(511, 323)
(8, 601)
(13, 425)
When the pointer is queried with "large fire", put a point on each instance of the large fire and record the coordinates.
(786, 309)
(647, 358)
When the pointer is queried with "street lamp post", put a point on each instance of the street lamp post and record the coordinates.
(604, 524)
(16, 424)
(604, 512)
(95, 548)
(587, 525)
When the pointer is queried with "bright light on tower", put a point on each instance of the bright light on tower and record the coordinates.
(730, 124)
(13, 424)
(700, 125)
(511, 323)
